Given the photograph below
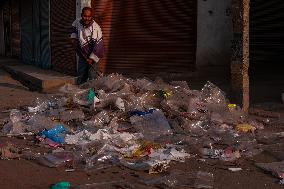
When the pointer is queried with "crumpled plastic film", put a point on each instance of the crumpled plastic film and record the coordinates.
(210, 93)
(110, 83)
(152, 125)
(69, 115)
(99, 120)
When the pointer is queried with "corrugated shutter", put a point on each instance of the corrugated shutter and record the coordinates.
(266, 36)
(63, 56)
(45, 54)
(15, 17)
(27, 31)
(35, 46)
(36, 32)
(7, 28)
(146, 36)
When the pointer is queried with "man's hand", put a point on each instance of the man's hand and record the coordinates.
(90, 61)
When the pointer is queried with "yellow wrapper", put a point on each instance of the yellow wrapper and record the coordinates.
(245, 128)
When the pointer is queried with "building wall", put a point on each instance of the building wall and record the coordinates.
(2, 47)
(214, 33)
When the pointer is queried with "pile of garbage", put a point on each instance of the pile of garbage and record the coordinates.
(137, 123)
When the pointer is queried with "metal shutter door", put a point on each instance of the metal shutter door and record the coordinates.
(7, 28)
(45, 53)
(145, 36)
(63, 56)
(27, 31)
(266, 36)
(35, 47)
(15, 17)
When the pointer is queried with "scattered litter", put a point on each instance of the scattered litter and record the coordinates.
(234, 169)
(142, 125)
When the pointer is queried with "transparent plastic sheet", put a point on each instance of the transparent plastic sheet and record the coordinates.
(142, 101)
(79, 138)
(196, 108)
(120, 140)
(85, 136)
(211, 94)
(99, 120)
(110, 83)
(151, 125)
(56, 159)
(181, 84)
(108, 148)
(81, 97)
(96, 155)
(158, 161)
(16, 124)
(125, 139)
(153, 166)
(39, 122)
(194, 127)
(144, 85)
(170, 153)
(41, 106)
(133, 102)
(78, 95)
(101, 161)
(109, 100)
(179, 179)
(69, 115)
(177, 102)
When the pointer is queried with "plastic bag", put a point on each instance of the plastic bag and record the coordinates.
(152, 125)
(55, 134)
(110, 83)
(15, 126)
(41, 106)
(55, 159)
(38, 122)
(69, 115)
(211, 94)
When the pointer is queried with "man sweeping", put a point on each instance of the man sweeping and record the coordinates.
(88, 43)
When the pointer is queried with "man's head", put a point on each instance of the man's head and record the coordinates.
(86, 15)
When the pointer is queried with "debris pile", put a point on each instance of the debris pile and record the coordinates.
(140, 124)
